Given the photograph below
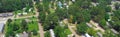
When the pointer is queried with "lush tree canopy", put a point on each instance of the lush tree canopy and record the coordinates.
(12, 5)
(82, 28)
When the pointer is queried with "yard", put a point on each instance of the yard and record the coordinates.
(17, 26)
(33, 26)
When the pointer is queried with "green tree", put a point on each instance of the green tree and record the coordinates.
(24, 25)
(15, 27)
(39, 7)
(108, 9)
(97, 13)
(103, 23)
(61, 13)
(116, 20)
(47, 34)
(107, 17)
(9, 31)
(9, 20)
(59, 31)
(117, 13)
(116, 23)
(81, 28)
(42, 16)
(83, 3)
(50, 21)
(92, 32)
(79, 14)
(12, 5)
(35, 32)
(109, 33)
(94, 1)
(117, 5)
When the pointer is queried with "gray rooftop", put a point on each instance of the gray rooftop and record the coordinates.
(24, 34)
(1, 27)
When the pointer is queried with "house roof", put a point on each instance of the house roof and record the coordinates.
(87, 35)
(52, 33)
(1, 27)
(6, 14)
(114, 31)
(24, 34)
(60, 4)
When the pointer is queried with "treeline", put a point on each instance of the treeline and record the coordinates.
(12, 5)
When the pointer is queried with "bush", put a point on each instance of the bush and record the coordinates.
(103, 24)
(117, 5)
(35, 32)
(47, 34)
(82, 28)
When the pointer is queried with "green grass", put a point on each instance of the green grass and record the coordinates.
(67, 31)
(17, 21)
(33, 18)
(6, 28)
(38, 35)
(52, 10)
(33, 26)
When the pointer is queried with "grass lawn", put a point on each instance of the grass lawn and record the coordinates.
(67, 31)
(33, 26)
(38, 35)
(52, 10)
(8, 26)
(33, 18)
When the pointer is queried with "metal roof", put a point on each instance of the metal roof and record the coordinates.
(1, 27)
(52, 33)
